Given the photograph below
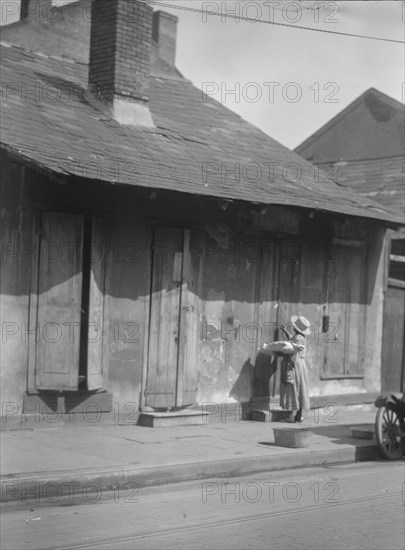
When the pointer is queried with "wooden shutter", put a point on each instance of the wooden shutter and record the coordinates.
(164, 318)
(393, 350)
(59, 301)
(187, 378)
(266, 374)
(344, 347)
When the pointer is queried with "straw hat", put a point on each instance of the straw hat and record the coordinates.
(301, 324)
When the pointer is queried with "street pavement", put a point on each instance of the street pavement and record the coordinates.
(42, 458)
(336, 506)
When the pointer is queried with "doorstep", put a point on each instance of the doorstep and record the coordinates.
(187, 417)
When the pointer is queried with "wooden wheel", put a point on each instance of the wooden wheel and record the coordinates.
(390, 432)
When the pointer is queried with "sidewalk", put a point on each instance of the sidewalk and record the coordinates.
(104, 455)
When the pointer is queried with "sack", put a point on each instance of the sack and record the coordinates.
(281, 346)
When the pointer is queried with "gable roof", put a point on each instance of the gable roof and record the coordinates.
(390, 102)
(59, 129)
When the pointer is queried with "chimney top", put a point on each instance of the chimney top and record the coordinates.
(165, 35)
(120, 56)
(36, 10)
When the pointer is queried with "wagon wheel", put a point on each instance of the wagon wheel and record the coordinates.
(390, 431)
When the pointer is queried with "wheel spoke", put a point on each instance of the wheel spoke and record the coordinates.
(389, 426)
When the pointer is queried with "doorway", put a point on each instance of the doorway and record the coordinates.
(172, 375)
(68, 303)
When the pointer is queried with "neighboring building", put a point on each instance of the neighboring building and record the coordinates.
(371, 127)
(152, 239)
(362, 148)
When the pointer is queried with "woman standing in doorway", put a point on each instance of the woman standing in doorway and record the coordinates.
(294, 391)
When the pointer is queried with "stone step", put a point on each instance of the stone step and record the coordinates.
(265, 415)
(173, 418)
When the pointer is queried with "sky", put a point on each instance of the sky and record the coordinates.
(285, 80)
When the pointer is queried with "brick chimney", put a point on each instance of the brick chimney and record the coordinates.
(37, 11)
(120, 55)
(165, 35)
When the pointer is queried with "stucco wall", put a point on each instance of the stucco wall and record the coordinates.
(257, 268)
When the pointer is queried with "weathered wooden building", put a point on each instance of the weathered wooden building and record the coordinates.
(363, 147)
(152, 239)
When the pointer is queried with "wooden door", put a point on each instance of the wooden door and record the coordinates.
(345, 287)
(59, 301)
(393, 353)
(288, 297)
(187, 377)
(173, 332)
(266, 373)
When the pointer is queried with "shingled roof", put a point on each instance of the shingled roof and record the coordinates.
(61, 130)
(379, 173)
(379, 179)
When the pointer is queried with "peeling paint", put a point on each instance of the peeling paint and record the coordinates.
(118, 346)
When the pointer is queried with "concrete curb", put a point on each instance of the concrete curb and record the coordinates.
(88, 485)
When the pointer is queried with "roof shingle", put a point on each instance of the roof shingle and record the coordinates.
(382, 180)
(198, 146)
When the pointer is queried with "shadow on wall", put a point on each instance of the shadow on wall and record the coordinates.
(242, 390)
(254, 380)
(265, 370)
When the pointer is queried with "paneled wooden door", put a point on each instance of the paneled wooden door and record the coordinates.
(172, 375)
(61, 279)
